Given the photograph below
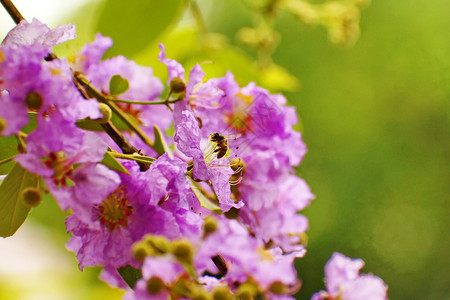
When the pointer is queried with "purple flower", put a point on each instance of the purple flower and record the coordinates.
(66, 158)
(164, 272)
(45, 88)
(343, 281)
(37, 33)
(171, 190)
(175, 69)
(92, 53)
(218, 171)
(246, 257)
(123, 217)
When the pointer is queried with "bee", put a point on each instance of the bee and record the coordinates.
(221, 147)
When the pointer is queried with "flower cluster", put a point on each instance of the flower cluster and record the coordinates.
(344, 282)
(207, 211)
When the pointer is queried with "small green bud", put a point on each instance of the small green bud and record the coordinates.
(210, 225)
(159, 244)
(201, 295)
(222, 293)
(177, 85)
(278, 288)
(247, 291)
(2, 124)
(155, 285)
(183, 251)
(106, 113)
(140, 250)
(33, 101)
(31, 196)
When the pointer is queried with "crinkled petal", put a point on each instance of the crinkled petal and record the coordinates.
(38, 33)
(174, 68)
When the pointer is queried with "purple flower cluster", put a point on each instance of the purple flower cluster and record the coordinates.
(344, 282)
(216, 215)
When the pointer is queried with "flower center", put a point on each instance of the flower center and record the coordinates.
(57, 162)
(114, 210)
(239, 119)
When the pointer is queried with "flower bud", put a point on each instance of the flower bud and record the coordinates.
(155, 285)
(31, 196)
(210, 225)
(177, 85)
(247, 291)
(201, 295)
(159, 244)
(222, 293)
(106, 113)
(33, 101)
(183, 251)
(140, 250)
(278, 288)
(2, 124)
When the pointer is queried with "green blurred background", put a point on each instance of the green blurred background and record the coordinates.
(375, 119)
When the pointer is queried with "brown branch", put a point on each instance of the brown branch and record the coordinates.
(113, 132)
(12, 11)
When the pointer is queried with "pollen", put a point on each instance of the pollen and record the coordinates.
(56, 72)
(2, 57)
(264, 254)
(114, 210)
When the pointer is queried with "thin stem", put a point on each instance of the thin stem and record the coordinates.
(12, 11)
(197, 14)
(164, 102)
(6, 160)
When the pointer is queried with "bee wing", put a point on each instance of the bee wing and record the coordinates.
(233, 136)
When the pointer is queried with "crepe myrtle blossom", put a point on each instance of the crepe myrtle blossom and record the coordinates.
(344, 282)
(218, 171)
(159, 276)
(37, 33)
(143, 86)
(246, 258)
(66, 158)
(138, 206)
(30, 84)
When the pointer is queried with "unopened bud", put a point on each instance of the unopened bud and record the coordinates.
(2, 124)
(278, 288)
(140, 251)
(210, 225)
(31, 196)
(159, 244)
(222, 293)
(33, 101)
(247, 291)
(182, 250)
(106, 113)
(177, 85)
(201, 295)
(155, 285)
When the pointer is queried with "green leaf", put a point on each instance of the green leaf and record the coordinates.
(8, 145)
(205, 202)
(160, 144)
(118, 85)
(13, 211)
(8, 148)
(89, 125)
(112, 163)
(135, 24)
(276, 78)
(130, 275)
